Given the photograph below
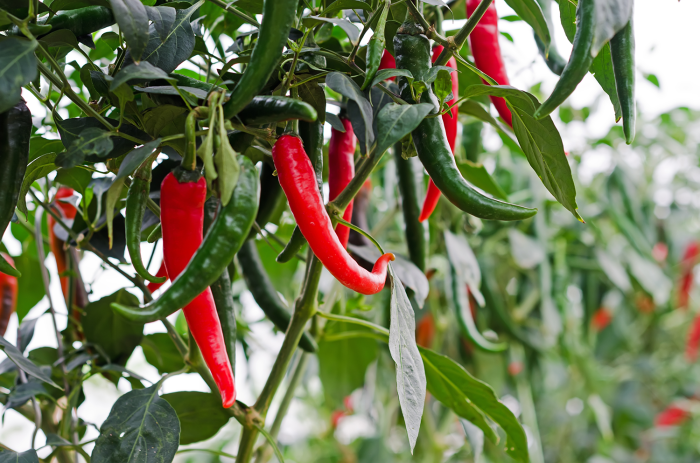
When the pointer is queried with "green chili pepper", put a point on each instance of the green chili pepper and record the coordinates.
(83, 21)
(412, 49)
(221, 290)
(296, 242)
(622, 51)
(271, 195)
(15, 131)
(225, 237)
(460, 299)
(278, 16)
(415, 232)
(263, 291)
(270, 109)
(136, 199)
(579, 62)
(375, 47)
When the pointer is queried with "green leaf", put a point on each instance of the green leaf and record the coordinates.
(17, 68)
(24, 363)
(159, 350)
(348, 88)
(443, 86)
(470, 398)
(312, 93)
(21, 393)
(92, 141)
(30, 284)
(477, 175)
(227, 167)
(464, 261)
(200, 413)
(343, 362)
(335, 122)
(38, 168)
(611, 17)
(60, 38)
(164, 120)
(540, 140)
(29, 456)
(349, 28)
(142, 71)
(410, 373)
(133, 23)
(339, 5)
(170, 42)
(62, 5)
(140, 427)
(76, 178)
(531, 13)
(135, 158)
(602, 70)
(71, 129)
(113, 195)
(116, 336)
(385, 74)
(395, 121)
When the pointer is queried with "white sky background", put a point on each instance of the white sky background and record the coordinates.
(667, 36)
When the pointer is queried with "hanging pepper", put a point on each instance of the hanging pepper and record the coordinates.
(8, 296)
(483, 42)
(136, 199)
(67, 211)
(450, 120)
(622, 52)
(579, 62)
(412, 49)
(690, 258)
(298, 180)
(551, 57)
(410, 181)
(15, 131)
(278, 16)
(375, 46)
(341, 169)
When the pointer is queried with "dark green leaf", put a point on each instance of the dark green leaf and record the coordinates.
(339, 5)
(169, 43)
(343, 362)
(335, 122)
(17, 68)
(21, 393)
(116, 336)
(54, 440)
(134, 159)
(477, 175)
(29, 456)
(160, 352)
(91, 142)
(133, 23)
(141, 427)
(531, 13)
(71, 129)
(395, 121)
(140, 72)
(200, 413)
(38, 168)
(26, 333)
(313, 93)
(196, 93)
(452, 385)
(24, 363)
(602, 70)
(348, 88)
(61, 5)
(410, 373)
(76, 178)
(349, 28)
(60, 38)
(385, 74)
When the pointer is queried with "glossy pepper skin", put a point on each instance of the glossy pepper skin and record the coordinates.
(483, 42)
(278, 16)
(224, 239)
(413, 54)
(182, 218)
(296, 175)
(162, 272)
(15, 131)
(8, 296)
(341, 169)
(67, 211)
(264, 293)
(136, 199)
(622, 51)
(579, 62)
(409, 185)
(450, 121)
(266, 109)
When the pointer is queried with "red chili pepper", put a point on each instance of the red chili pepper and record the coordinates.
(514, 368)
(8, 296)
(341, 169)
(162, 272)
(487, 53)
(298, 180)
(601, 318)
(67, 211)
(425, 331)
(387, 62)
(693, 341)
(690, 256)
(182, 218)
(673, 415)
(450, 121)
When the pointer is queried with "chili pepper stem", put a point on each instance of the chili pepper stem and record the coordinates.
(455, 43)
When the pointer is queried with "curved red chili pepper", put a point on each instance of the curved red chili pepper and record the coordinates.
(162, 272)
(341, 169)
(8, 296)
(450, 121)
(182, 218)
(487, 53)
(673, 415)
(67, 211)
(298, 180)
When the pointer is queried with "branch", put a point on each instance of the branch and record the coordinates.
(455, 43)
(229, 7)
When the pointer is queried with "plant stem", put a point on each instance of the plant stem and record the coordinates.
(456, 42)
(229, 7)
(304, 309)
